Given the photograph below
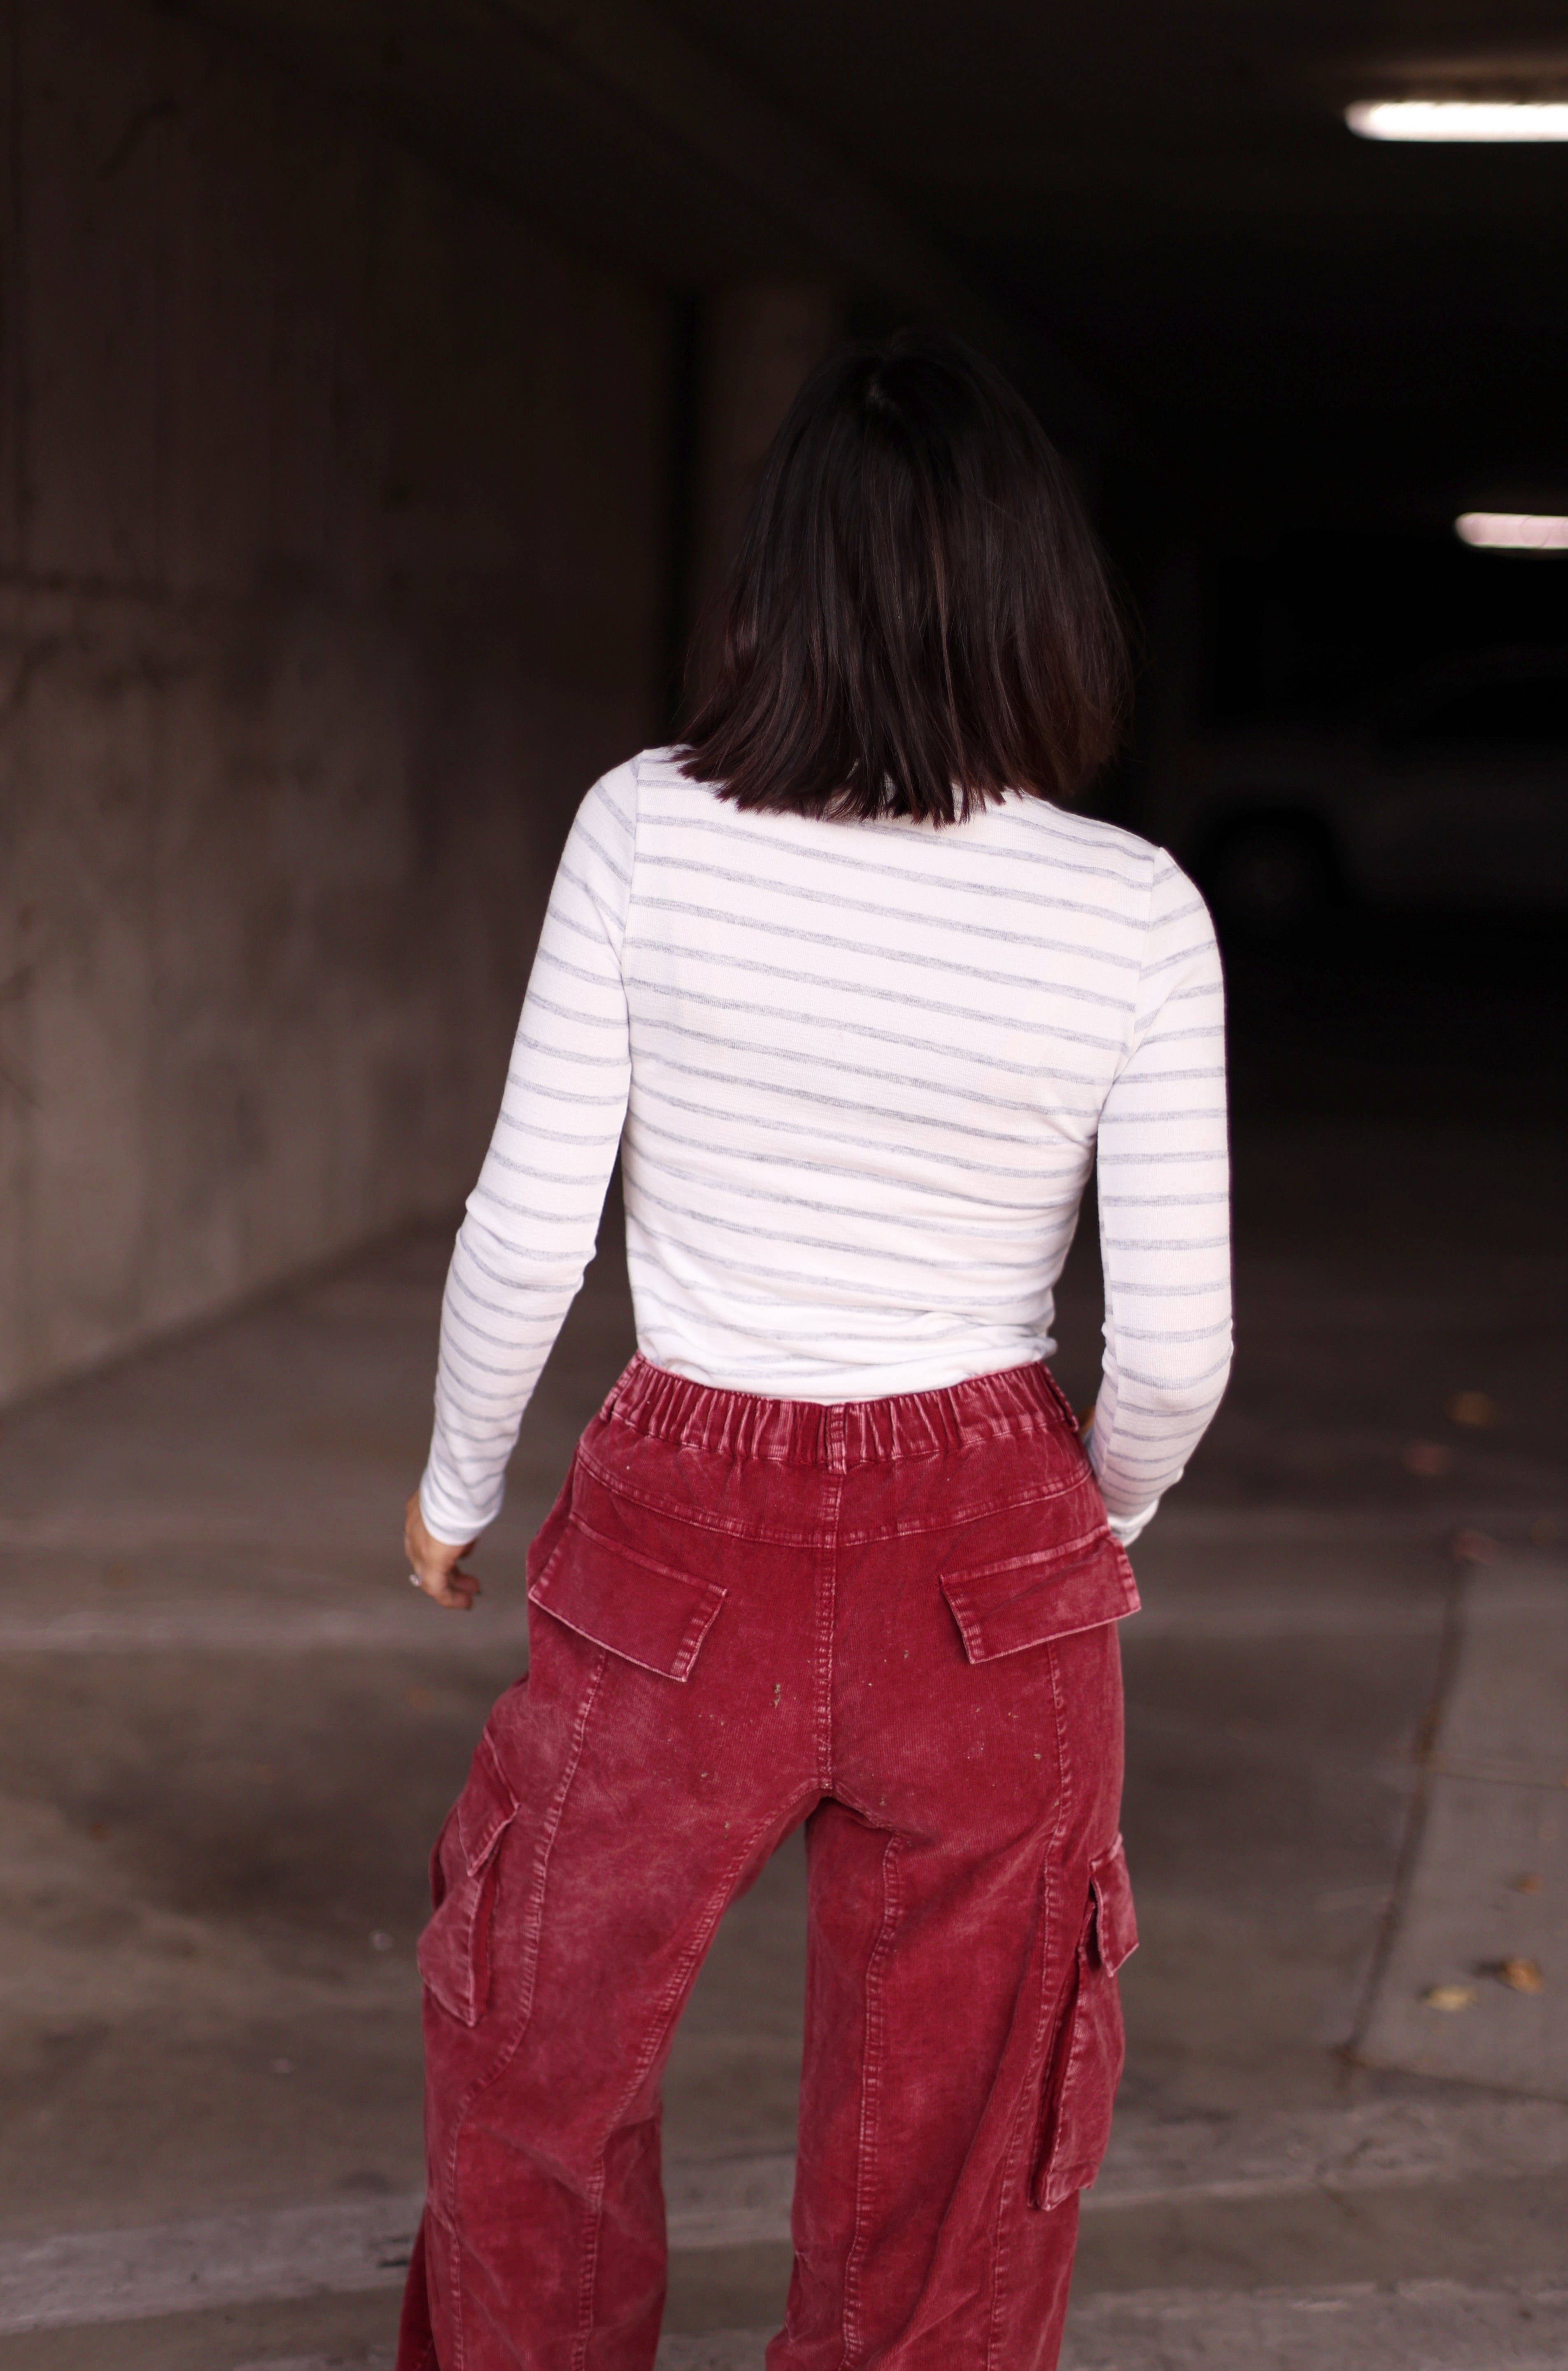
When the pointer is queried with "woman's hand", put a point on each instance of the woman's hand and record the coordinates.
(436, 1564)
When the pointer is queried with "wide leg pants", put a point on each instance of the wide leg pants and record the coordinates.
(893, 1620)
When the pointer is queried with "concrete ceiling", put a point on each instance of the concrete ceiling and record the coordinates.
(1158, 197)
(610, 122)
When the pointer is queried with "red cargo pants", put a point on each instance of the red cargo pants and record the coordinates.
(893, 1620)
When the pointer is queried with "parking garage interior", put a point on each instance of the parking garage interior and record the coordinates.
(381, 383)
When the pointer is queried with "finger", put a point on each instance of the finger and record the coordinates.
(454, 1600)
(448, 1586)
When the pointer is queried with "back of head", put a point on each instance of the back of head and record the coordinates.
(918, 620)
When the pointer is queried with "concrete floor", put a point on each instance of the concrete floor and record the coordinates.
(229, 1731)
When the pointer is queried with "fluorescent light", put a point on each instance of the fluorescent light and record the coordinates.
(1460, 119)
(1513, 530)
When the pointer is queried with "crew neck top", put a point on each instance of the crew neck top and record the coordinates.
(859, 1074)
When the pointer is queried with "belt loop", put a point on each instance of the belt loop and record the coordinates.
(834, 1435)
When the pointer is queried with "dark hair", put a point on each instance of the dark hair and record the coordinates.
(918, 620)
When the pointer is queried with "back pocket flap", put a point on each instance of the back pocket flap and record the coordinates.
(1046, 1592)
(639, 1609)
(1115, 1926)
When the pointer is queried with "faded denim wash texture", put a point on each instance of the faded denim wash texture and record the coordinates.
(893, 1620)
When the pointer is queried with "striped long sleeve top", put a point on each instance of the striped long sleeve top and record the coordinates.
(860, 1073)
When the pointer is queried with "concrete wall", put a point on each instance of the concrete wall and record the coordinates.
(331, 571)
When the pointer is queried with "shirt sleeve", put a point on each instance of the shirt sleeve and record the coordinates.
(533, 1218)
(1164, 1215)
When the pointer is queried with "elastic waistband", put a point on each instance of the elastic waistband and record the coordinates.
(847, 1433)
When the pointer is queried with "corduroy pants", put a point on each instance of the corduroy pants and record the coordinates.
(893, 1620)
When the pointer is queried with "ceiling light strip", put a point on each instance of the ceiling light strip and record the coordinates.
(1513, 530)
(1459, 118)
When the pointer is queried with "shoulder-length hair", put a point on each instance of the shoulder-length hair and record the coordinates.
(918, 620)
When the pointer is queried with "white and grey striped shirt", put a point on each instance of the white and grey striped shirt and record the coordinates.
(862, 1070)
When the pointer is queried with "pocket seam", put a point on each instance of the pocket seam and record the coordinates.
(618, 1548)
(1043, 1557)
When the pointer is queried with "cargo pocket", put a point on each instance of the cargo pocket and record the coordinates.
(1019, 1601)
(620, 1598)
(454, 1950)
(1085, 2063)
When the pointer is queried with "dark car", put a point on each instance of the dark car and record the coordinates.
(1452, 791)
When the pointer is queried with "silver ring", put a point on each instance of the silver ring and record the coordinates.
(415, 1581)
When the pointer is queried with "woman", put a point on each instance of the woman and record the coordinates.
(865, 1000)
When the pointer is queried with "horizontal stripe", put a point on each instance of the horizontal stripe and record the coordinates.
(973, 1013)
(940, 917)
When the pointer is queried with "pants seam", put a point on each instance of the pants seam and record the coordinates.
(870, 2097)
(1015, 2179)
(589, 2278)
(828, 1610)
